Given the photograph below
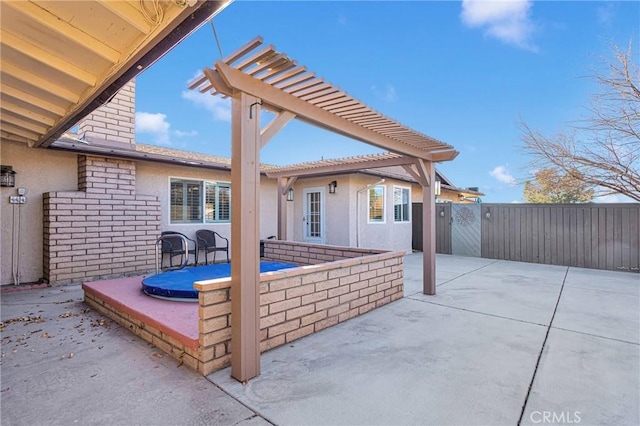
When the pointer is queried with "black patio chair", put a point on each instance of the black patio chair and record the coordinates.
(172, 246)
(211, 242)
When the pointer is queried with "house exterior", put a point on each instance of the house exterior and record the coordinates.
(95, 205)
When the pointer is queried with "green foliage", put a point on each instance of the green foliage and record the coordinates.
(550, 186)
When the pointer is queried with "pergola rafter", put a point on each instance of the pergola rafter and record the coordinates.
(258, 77)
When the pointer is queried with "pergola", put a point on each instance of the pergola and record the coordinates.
(256, 77)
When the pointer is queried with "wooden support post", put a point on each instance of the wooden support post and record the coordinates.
(282, 208)
(284, 184)
(245, 255)
(428, 229)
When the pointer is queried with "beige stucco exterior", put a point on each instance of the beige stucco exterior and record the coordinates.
(38, 171)
(346, 215)
(41, 171)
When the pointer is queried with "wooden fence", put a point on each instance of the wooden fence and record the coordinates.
(443, 227)
(598, 236)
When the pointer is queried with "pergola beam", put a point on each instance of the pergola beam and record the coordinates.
(277, 124)
(310, 113)
(343, 167)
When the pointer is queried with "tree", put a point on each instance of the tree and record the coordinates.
(602, 151)
(551, 187)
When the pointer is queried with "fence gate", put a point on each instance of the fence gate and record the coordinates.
(465, 229)
(443, 227)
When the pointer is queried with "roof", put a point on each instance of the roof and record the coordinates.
(386, 164)
(290, 90)
(383, 165)
(62, 59)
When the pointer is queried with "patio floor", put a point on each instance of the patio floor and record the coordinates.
(465, 356)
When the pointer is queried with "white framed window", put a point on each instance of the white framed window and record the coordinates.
(376, 204)
(217, 202)
(401, 204)
(196, 201)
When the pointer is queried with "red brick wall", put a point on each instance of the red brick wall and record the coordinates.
(104, 230)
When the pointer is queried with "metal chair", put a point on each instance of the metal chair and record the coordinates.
(173, 245)
(211, 242)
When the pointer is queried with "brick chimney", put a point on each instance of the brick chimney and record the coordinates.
(113, 121)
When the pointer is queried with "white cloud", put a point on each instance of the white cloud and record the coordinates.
(502, 174)
(506, 20)
(387, 93)
(154, 123)
(220, 108)
(187, 134)
(605, 15)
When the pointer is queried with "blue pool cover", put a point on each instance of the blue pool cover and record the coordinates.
(178, 284)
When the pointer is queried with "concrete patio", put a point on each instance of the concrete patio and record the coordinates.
(466, 356)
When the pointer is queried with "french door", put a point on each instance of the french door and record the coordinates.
(313, 220)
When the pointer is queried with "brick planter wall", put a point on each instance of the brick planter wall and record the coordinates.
(103, 230)
(297, 302)
(310, 254)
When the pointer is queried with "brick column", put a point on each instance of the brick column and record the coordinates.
(102, 231)
(113, 121)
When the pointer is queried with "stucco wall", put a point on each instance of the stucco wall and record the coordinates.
(336, 209)
(343, 218)
(38, 171)
(153, 179)
(389, 235)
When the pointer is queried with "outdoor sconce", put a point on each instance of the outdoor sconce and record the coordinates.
(438, 189)
(7, 176)
(487, 214)
(290, 194)
(332, 187)
(441, 212)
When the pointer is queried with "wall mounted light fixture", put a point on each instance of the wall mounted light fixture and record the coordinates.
(290, 194)
(438, 188)
(332, 187)
(441, 212)
(487, 214)
(7, 176)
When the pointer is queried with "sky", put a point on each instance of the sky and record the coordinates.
(465, 72)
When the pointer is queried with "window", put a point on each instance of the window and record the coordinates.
(218, 202)
(376, 204)
(189, 196)
(401, 197)
(186, 204)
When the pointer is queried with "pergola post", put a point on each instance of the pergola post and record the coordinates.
(282, 208)
(245, 269)
(428, 230)
(284, 184)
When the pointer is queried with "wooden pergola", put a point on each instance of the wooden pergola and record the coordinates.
(256, 77)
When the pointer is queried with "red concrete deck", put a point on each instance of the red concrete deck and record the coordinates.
(176, 319)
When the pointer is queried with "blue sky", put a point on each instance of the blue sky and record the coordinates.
(464, 72)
